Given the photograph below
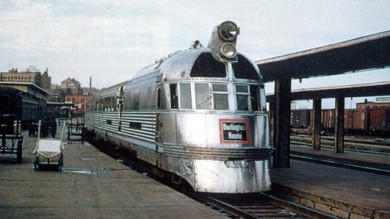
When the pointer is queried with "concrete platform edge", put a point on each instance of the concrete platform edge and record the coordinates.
(328, 205)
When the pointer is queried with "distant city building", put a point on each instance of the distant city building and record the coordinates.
(69, 91)
(71, 86)
(79, 101)
(46, 81)
(28, 76)
(57, 94)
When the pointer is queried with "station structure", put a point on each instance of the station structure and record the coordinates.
(36, 91)
(364, 53)
(27, 87)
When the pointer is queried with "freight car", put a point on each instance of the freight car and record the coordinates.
(368, 121)
(20, 106)
(371, 121)
(197, 115)
(300, 118)
(17, 110)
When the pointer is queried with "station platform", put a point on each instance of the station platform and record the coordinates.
(91, 185)
(344, 193)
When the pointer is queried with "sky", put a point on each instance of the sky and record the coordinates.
(111, 40)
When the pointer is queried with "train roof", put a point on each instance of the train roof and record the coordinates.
(179, 65)
(186, 65)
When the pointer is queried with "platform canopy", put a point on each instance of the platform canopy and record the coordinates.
(27, 87)
(357, 90)
(368, 52)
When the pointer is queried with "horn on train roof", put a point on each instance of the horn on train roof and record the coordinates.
(223, 40)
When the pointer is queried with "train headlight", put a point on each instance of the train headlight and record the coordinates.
(228, 50)
(223, 40)
(228, 31)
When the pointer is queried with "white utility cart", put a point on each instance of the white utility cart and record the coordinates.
(48, 152)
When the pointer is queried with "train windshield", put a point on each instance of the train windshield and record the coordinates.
(248, 97)
(207, 66)
(215, 96)
(243, 69)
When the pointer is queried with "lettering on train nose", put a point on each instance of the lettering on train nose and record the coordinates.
(234, 131)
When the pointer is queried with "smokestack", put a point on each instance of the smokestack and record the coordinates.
(90, 85)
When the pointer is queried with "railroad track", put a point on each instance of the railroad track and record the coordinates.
(355, 145)
(355, 165)
(258, 205)
(377, 146)
(259, 209)
(255, 205)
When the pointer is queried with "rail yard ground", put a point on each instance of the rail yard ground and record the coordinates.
(94, 185)
(342, 192)
(91, 185)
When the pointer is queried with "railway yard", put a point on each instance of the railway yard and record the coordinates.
(196, 134)
(90, 185)
(95, 185)
(192, 136)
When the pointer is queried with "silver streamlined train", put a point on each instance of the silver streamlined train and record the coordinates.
(198, 114)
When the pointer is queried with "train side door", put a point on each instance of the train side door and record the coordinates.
(119, 104)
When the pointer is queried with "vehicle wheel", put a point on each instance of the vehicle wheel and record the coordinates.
(36, 164)
(19, 153)
(61, 163)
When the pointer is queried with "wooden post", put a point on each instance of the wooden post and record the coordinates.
(271, 121)
(316, 124)
(339, 125)
(281, 122)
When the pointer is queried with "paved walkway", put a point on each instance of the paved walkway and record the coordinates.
(91, 185)
(343, 192)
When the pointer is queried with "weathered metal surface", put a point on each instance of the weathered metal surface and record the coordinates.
(191, 107)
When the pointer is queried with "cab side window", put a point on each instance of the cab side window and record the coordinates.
(173, 92)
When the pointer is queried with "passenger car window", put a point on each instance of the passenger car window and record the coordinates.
(202, 96)
(242, 95)
(185, 96)
(220, 97)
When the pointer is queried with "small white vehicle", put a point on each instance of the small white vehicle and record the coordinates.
(48, 152)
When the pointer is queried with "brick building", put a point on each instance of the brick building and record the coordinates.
(28, 76)
(79, 101)
(71, 86)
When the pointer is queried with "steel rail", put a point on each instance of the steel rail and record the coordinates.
(337, 163)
